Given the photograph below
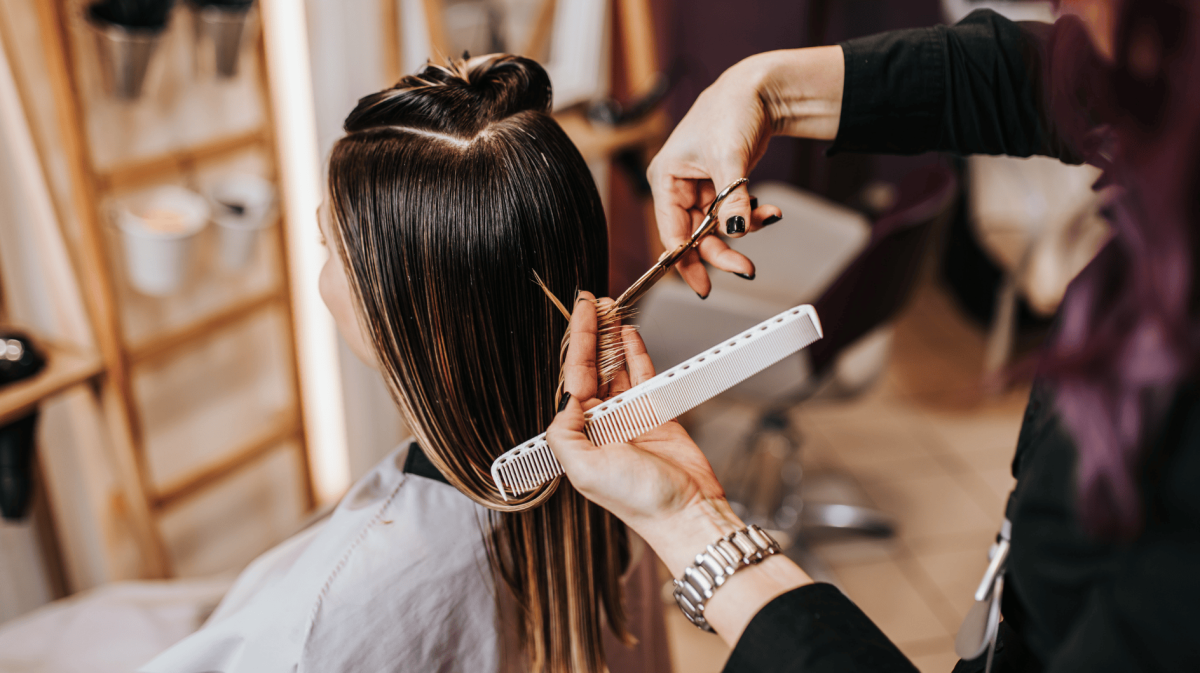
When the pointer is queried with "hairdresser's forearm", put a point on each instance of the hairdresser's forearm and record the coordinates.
(678, 538)
(800, 89)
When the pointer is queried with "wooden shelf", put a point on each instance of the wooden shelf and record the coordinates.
(125, 169)
(64, 368)
(600, 142)
(161, 345)
(147, 171)
(286, 426)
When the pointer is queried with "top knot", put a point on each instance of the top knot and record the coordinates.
(459, 98)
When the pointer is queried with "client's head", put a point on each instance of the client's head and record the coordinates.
(448, 193)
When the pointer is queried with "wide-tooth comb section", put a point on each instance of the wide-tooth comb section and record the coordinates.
(666, 396)
(525, 468)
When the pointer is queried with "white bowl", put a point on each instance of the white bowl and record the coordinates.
(159, 229)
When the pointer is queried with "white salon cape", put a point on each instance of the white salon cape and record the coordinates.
(395, 580)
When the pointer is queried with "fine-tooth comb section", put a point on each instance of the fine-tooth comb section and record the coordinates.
(664, 397)
(628, 417)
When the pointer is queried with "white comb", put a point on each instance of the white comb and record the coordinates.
(664, 397)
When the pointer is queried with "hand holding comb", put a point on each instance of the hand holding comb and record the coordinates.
(666, 396)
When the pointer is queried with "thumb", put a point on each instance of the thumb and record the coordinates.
(566, 436)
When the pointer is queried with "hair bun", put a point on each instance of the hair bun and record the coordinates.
(459, 98)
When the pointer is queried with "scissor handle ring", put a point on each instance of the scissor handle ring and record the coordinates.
(710, 218)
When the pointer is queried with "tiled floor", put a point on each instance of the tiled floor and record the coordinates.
(927, 445)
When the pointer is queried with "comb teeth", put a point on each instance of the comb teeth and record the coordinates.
(626, 419)
(525, 468)
(662, 398)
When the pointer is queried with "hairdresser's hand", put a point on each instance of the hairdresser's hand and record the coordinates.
(660, 484)
(795, 92)
(646, 482)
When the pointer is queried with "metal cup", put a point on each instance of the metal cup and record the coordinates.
(124, 55)
(243, 205)
(221, 25)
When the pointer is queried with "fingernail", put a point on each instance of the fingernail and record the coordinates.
(562, 404)
(746, 276)
(772, 220)
(753, 202)
(735, 225)
(702, 296)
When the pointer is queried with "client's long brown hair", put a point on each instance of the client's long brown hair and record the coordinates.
(449, 191)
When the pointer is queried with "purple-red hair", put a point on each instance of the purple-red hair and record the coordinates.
(1129, 329)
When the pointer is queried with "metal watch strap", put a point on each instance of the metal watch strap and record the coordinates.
(715, 564)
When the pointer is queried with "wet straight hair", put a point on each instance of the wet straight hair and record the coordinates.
(449, 192)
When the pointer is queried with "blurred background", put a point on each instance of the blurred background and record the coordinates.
(174, 399)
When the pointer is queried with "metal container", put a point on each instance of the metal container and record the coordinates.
(243, 205)
(219, 28)
(124, 55)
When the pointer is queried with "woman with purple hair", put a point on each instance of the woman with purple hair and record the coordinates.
(1102, 535)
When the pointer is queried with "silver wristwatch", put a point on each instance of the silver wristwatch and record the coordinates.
(715, 564)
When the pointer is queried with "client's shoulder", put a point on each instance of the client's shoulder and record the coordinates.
(413, 582)
(403, 511)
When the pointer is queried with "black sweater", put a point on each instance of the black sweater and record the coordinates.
(1071, 603)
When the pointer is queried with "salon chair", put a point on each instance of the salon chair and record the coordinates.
(1039, 222)
(858, 276)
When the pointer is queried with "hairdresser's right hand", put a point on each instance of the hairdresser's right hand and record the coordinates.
(796, 92)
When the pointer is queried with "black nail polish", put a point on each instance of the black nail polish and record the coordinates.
(753, 202)
(735, 225)
(746, 276)
(562, 404)
(702, 296)
(772, 220)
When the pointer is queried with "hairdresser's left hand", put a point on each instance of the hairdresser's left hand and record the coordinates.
(654, 483)
(660, 484)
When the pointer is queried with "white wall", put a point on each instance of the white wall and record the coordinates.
(346, 41)
(23, 582)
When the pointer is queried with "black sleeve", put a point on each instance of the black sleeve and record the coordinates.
(979, 87)
(814, 629)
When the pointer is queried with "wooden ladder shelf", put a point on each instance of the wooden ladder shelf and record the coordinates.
(112, 369)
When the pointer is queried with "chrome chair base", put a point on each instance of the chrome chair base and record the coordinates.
(853, 518)
(766, 485)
